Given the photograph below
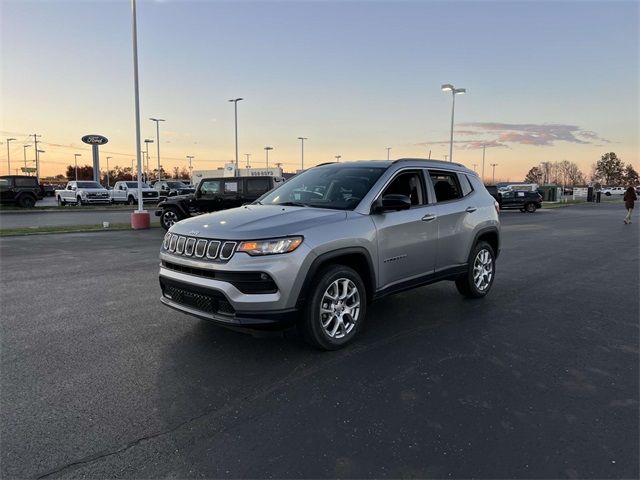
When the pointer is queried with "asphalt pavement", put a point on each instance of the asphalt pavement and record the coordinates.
(70, 215)
(538, 380)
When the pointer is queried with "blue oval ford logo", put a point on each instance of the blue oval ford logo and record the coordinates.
(94, 139)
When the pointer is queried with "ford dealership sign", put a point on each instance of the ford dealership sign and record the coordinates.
(94, 139)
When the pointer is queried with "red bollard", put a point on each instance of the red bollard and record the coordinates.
(140, 220)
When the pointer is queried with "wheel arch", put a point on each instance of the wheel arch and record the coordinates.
(357, 258)
(490, 235)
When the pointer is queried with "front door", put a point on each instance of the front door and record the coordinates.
(209, 196)
(407, 239)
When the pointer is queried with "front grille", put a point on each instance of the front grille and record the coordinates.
(218, 250)
(212, 303)
(246, 282)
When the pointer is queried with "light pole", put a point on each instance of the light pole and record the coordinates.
(266, 149)
(108, 171)
(190, 157)
(445, 157)
(388, 150)
(235, 108)
(447, 87)
(338, 157)
(132, 160)
(38, 152)
(158, 120)
(9, 155)
(248, 155)
(302, 139)
(75, 159)
(474, 167)
(483, 149)
(24, 151)
(146, 144)
(493, 181)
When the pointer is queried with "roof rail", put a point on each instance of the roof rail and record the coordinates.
(428, 160)
(325, 163)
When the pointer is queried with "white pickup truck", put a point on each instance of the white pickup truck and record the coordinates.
(127, 192)
(82, 193)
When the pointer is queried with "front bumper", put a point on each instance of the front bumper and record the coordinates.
(213, 305)
(96, 200)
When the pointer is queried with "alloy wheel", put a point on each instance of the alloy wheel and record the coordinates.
(340, 308)
(483, 270)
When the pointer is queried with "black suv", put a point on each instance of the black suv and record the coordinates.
(214, 194)
(524, 201)
(19, 190)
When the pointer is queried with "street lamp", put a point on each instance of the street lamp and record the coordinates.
(248, 155)
(24, 151)
(235, 108)
(447, 87)
(158, 120)
(9, 154)
(266, 149)
(75, 158)
(338, 157)
(38, 163)
(388, 150)
(302, 139)
(190, 157)
(146, 144)
(493, 181)
(108, 171)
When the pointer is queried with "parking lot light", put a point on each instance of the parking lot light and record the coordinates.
(108, 171)
(235, 108)
(302, 139)
(24, 151)
(158, 120)
(266, 149)
(9, 154)
(447, 87)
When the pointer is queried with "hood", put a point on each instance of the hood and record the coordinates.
(257, 221)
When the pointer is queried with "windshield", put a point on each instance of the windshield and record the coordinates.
(176, 185)
(88, 185)
(330, 186)
(135, 185)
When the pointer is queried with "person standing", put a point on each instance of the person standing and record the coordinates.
(629, 202)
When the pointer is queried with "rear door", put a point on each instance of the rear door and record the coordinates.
(231, 193)
(407, 239)
(255, 188)
(455, 207)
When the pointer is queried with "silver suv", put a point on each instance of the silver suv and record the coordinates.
(318, 249)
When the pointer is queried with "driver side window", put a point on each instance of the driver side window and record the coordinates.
(409, 184)
(210, 188)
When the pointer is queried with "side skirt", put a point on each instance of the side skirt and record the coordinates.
(448, 274)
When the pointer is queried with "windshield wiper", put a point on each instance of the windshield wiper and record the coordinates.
(293, 204)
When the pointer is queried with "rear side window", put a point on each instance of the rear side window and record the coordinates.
(257, 186)
(25, 182)
(231, 186)
(210, 188)
(467, 188)
(445, 185)
(4, 182)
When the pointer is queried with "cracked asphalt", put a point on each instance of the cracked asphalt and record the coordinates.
(538, 380)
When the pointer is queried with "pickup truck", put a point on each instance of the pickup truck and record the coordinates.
(127, 192)
(524, 201)
(82, 193)
(213, 194)
(171, 188)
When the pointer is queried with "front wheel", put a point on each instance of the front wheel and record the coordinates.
(530, 207)
(61, 203)
(169, 218)
(478, 280)
(79, 202)
(336, 309)
(131, 200)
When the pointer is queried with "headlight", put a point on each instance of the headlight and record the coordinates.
(270, 247)
(83, 194)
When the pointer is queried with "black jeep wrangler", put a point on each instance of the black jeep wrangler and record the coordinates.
(20, 190)
(214, 194)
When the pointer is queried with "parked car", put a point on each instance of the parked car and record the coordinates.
(493, 191)
(171, 188)
(20, 190)
(213, 194)
(522, 200)
(48, 190)
(82, 193)
(127, 192)
(608, 191)
(319, 248)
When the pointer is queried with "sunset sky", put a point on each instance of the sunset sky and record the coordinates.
(546, 81)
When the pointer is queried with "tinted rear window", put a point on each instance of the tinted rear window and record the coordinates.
(26, 182)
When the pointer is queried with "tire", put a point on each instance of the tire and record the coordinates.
(169, 217)
(61, 203)
(131, 200)
(482, 262)
(351, 303)
(530, 207)
(27, 201)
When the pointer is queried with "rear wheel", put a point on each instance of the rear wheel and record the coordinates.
(478, 280)
(27, 201)
(530, 207)
(169, 217)
(61, 203)
(336, 309)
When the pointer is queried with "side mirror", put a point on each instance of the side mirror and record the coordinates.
(73, 188)
(392, 202)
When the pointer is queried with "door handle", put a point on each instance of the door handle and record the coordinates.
(428, 217)
(470, 209)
